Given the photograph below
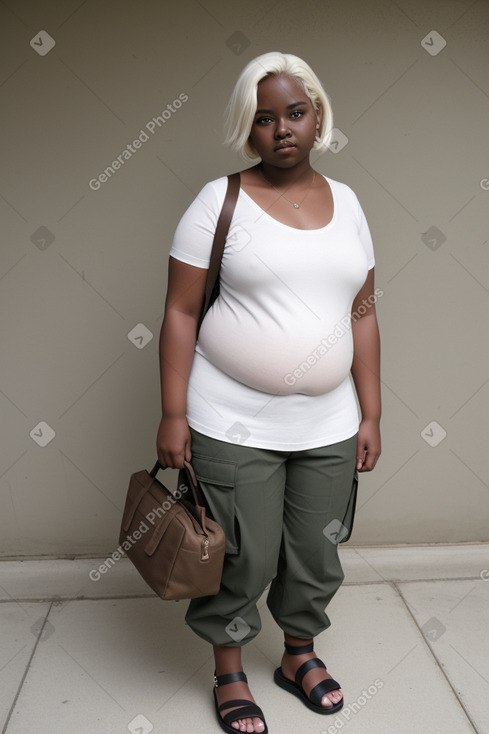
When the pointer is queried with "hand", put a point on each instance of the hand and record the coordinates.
(368, 445)
(173, 442)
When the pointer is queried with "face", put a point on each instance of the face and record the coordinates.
(284, 127)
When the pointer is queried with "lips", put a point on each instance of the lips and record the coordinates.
(284, 145)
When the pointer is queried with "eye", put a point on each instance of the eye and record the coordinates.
(296, 114)
(263, 120)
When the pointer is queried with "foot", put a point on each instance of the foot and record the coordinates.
(233, 691)
(291, 663)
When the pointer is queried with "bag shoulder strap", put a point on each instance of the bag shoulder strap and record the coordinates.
(219, 242)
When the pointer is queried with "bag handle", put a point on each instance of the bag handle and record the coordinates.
(191, 478)
(222, 229)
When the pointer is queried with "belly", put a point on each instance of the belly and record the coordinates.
(287, 359)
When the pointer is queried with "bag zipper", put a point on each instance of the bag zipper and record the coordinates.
(204, 555)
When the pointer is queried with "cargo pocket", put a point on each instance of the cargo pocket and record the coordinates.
(218, 479)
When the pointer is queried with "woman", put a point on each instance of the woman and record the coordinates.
(263, 401)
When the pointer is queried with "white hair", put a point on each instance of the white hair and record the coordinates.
(241, 109)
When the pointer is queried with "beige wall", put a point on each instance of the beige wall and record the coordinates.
(416, 124)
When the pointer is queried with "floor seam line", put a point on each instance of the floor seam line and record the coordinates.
(436, 660)
(26, 671)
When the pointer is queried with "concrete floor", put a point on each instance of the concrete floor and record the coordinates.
(408, 642)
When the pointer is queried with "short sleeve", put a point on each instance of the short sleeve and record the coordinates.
(194, 235)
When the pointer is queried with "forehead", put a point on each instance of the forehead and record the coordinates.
(280, 90)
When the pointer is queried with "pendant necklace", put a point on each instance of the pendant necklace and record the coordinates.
(295, 204)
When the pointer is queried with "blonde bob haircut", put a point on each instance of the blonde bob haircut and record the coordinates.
(241, 109)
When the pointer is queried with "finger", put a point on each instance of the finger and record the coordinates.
(178, 461)
(370, 462)
(161, 458)
(171, 460)
(361, 456)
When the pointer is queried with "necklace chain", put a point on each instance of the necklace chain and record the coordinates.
(295, 204)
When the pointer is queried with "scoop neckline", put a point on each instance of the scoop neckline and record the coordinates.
(288, 226)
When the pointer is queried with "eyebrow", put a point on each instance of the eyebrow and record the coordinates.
(289, 107)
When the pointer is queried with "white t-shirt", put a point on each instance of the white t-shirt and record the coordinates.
(272, 361)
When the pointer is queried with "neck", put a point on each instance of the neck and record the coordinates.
(301, 173)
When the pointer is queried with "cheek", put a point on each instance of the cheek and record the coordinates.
(258, 136)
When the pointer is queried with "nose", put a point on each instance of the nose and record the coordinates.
(281, 129)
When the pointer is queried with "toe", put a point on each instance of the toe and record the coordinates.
(249, 725)
(329, 699)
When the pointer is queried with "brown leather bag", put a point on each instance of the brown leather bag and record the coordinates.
(176, 548)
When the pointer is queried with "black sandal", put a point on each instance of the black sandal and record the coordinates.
(313, 701)
(246, 710)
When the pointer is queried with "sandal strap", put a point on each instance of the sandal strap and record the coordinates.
(223, 680)
(298, 650)
(326, 686)
(306, 667)
(241, 708)
(235, 702)
(247, 710)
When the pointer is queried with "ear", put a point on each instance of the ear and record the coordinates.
(319, 117)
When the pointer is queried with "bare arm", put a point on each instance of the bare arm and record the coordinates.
(366, 373)
(185, 295)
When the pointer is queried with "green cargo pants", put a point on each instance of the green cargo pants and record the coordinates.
(282, 515)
